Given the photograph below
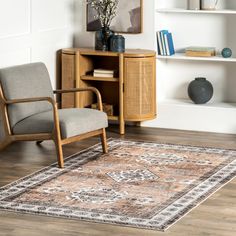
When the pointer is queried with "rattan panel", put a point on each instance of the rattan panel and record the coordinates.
(68, 80)
(139, 94)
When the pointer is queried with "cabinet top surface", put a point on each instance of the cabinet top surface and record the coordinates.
(127, 53)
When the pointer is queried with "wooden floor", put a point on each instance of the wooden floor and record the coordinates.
(215, 217)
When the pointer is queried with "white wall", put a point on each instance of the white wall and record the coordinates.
(33, 30)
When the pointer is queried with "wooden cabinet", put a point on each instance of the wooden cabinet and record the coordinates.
(131, 91)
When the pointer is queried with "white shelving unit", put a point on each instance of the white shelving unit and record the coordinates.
(174, 73)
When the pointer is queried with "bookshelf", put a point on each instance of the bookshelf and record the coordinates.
(214, 28)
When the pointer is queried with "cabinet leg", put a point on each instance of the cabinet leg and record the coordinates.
(122, 127)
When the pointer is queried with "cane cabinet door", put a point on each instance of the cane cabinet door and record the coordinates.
(139, 88)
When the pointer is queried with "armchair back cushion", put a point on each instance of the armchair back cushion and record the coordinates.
(26, 81)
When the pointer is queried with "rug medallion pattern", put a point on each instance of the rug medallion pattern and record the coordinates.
(138, 184)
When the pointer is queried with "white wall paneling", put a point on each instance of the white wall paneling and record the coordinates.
(34, 30)
(15, 18)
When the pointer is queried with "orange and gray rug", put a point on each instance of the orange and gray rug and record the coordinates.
(138, 184)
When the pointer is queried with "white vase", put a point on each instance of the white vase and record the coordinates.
(208, 4)
(193, 4)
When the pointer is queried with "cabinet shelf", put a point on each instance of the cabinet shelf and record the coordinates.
(92, 78)
(181, 56)
(179, 10)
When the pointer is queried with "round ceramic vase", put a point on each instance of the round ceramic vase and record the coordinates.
(200, 90)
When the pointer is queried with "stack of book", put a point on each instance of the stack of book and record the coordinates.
(103, 73)
(165, 45)
(200, 51)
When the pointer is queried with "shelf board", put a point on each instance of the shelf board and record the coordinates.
(181, 56)
(92, 78)
(189, 103)
(113, 117)
(179, 10)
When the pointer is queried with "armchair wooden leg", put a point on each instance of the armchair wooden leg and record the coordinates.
(104, 141)
(59, 154)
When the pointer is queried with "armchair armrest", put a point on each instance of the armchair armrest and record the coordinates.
(75, 90)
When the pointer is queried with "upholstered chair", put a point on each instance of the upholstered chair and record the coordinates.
(29, 110)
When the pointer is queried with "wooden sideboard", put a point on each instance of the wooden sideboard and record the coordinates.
(132, 91)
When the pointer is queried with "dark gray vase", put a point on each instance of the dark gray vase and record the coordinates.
(200, 90)
(117, 43)
(102, 39)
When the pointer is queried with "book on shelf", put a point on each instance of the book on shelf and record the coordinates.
(159, 44)
(163, 33)
(103, 73)
(169, 44)
(200, 51)
(165, 45)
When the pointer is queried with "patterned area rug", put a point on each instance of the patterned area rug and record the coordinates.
(138, 184)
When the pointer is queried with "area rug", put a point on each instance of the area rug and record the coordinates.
(138, 184)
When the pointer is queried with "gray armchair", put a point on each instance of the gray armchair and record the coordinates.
(29, 111)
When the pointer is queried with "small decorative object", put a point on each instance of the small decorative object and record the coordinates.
(200, 90)
(226, 52)
(193, 4)
(107, 108)
(106, 11)
(117, 43)
(208, 4)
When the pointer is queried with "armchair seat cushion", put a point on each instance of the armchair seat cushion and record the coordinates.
(73, 122)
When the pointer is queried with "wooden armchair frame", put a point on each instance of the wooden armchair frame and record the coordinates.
(56, 134)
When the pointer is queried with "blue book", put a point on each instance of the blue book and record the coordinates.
(169, 44)
(163, 33)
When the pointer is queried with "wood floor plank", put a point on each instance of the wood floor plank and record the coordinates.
(214, 217)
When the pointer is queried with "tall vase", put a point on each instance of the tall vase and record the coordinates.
(193, 5)
(102, 39)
